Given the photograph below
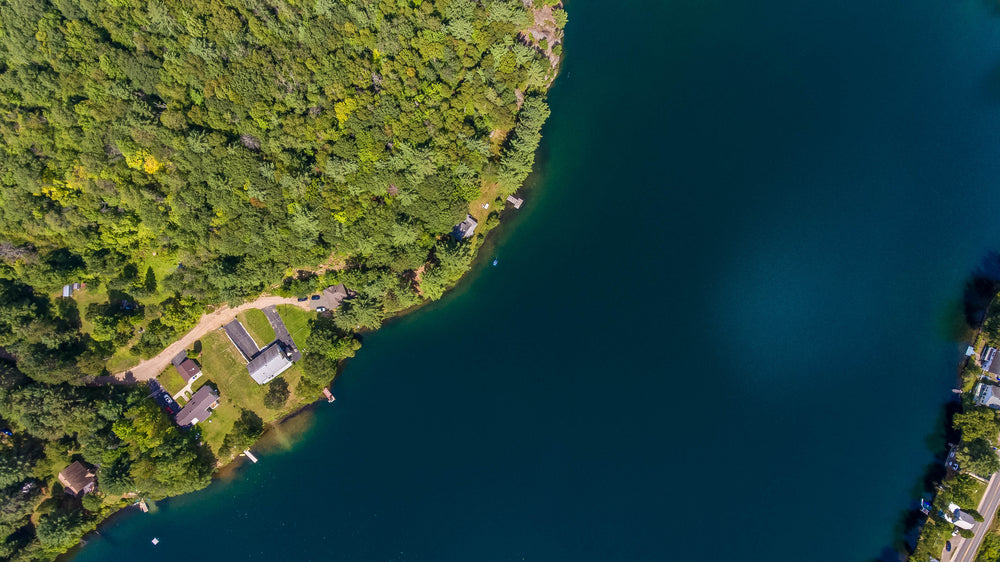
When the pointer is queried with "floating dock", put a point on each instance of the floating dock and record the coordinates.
(515, 201)
(328, 394)
(250, 455)
(142, 506)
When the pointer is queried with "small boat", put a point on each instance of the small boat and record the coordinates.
(494, 262)
(155, 541)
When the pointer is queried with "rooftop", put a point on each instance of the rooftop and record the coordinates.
(465, 228)
(77, 478)
(987, 395)
(269, 363)
(188, 369)
(199, 407)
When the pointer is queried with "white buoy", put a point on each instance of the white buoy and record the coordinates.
(155, 541)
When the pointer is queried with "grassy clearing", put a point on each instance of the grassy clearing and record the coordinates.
(297, 322)
(170, 380)
(258, 325)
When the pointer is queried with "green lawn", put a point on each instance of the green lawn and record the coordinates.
(223, 368)
(297, 322)
(171, 380)
(258, 325)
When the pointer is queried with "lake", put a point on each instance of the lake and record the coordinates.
(718, 329)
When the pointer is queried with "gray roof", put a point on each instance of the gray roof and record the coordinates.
(199, 407)
(465, 228)
(988, 395)
(989, 354)
(269, 363)
(963, 516)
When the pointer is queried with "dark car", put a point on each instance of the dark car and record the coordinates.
(947, 546)
(303, 299)
(315, 297)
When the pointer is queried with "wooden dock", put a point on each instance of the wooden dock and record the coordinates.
(328, 394)
(515, 201)
(250, 456)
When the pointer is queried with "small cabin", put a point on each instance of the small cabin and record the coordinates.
(465, 229)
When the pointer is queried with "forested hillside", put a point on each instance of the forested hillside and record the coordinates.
(171, 155)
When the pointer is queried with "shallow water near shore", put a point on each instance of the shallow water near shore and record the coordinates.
(715, 331)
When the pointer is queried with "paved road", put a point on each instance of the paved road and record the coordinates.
(281, 331)
(241, 339)
(964, 550)
(152, 367)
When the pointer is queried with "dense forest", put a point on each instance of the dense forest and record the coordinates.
(171, 155)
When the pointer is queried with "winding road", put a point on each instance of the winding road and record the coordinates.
(153, 366)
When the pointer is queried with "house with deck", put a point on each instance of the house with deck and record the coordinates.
(199, 407)
(986, 394)
(78, 479)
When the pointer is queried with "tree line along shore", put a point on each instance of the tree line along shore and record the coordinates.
(162, 159)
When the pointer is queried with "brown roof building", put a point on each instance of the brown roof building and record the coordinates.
(188, 370)
(199, 407)
(77, 479)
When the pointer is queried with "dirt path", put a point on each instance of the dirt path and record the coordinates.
(153, 366)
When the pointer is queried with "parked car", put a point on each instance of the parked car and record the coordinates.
(320, 309)
(315, 297)
(947, 546)
(301, 299)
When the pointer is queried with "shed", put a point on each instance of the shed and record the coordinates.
(78, 479)
(199, 407)
(67, 291)
(269, 363)
(465, 229)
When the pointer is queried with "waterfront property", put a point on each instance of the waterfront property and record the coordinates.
(269, 363)
(78, 479)
(989, 362)
(465, 229)
(199, 407)
(188, 370)
(959, 518)
(987, 395)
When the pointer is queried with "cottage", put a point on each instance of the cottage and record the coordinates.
(334, 295)
(987, 395)
(199, 407)
(961, 519)
(188, 370)
(269, 363)
(465, 229)
(77, 479)
(987, 361)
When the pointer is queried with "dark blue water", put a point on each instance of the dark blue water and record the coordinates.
(717, 330)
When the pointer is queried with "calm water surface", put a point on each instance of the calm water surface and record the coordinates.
(716, 330)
